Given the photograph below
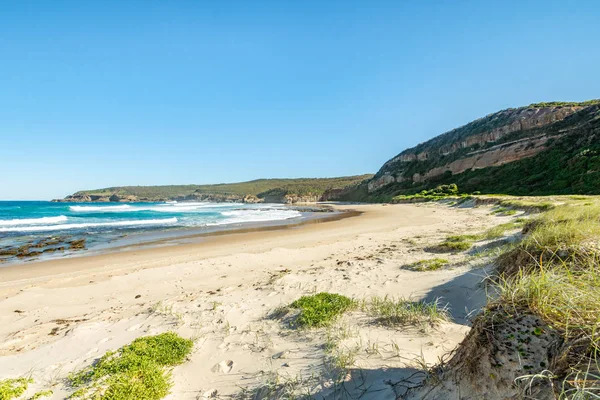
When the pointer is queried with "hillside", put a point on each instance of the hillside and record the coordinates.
(544, 148)
(268, 190)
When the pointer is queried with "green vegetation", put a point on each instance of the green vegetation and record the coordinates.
(554, 272)
(437, 193)
(139, 370)
(569, 165)
(565, 104)
(431, 264)
(260, 188)
(320, 309)
(13, 388)
(42, 393)
(504, 211)
(458, 243)
(390, 311)
(453, 245)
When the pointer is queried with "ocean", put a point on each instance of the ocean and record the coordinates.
(44, 225)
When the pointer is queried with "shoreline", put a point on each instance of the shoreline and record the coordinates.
(15, 271)
(173, 236)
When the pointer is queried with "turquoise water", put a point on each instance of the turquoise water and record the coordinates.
(103, 222)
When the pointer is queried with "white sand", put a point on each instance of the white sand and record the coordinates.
(58, 316)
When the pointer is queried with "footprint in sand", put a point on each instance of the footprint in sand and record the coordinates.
(224, 367)
(134, 327)
(103, 340)
(92, 351)
(209, 394)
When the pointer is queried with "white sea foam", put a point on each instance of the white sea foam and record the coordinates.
(33, 221)
(46, 228)
(256, 215)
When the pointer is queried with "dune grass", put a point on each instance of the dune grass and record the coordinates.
(555, 273)
(391, 311)
(140, 370)
(13, 388)
(321, 309)
(431, 264)
(454, 246)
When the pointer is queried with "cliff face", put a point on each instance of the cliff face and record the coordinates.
(501, 138)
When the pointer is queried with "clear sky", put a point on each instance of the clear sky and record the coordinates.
(106, 93)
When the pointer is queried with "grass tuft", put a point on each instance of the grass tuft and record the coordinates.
(136, 371)
(321, 309)
(391, 312)
(454, 246)
(13, 388)
(432, 264)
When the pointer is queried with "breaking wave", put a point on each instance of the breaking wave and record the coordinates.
(33, 221)
(60, 227)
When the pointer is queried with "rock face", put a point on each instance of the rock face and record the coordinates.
(115, 198)
(497, 139)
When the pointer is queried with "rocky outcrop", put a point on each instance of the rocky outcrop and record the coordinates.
(75, 198)
(497, 139)
(115, 198)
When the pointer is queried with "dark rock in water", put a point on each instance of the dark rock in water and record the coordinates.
(78, 244)
(8, 251)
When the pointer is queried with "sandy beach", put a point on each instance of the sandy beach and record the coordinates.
(59, 316)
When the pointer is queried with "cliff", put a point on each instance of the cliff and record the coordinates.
(477, 156)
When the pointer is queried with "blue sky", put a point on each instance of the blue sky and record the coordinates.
(103, 93)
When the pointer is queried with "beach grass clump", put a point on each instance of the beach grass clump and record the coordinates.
(527, 205)
(452, 246)
(140, 370)
(503, 211)
(499, 231)
(431, 264)
(390, 311)
(321, 309)
(13, 388)
(555, 273)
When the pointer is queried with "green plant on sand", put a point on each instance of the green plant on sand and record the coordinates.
(390, 311)
(140, 370)
(321, 309)
(554, 272)
(431, 264)
(13, 388)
